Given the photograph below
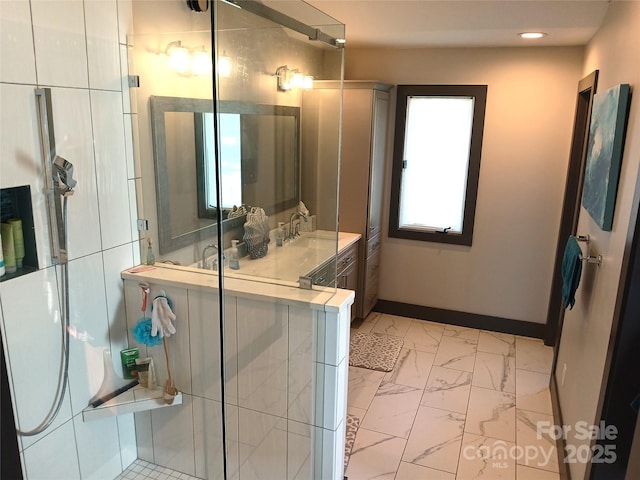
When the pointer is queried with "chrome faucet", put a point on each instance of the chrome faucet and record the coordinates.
(293, 233)
(204, 257)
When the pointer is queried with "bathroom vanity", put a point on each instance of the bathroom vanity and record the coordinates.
(285, 353)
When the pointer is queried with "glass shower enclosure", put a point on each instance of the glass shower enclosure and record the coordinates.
(239, 188)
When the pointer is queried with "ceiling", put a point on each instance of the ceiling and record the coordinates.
(471, 23)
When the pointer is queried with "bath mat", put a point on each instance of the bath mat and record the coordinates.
(353, 423)
(374, 351)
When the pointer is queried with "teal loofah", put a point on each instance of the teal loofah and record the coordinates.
(142, 333)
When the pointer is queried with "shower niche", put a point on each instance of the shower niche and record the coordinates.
(17, 217)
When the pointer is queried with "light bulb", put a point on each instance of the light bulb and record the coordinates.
(532, 34)
(224, 66)
(307, 82)
(297, 80)
(201, 63)
(179, 58)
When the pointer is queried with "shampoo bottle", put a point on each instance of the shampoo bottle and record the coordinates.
(234, 261)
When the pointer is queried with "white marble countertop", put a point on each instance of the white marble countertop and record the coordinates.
(296, 257)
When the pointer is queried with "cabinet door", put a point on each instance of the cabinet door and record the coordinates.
(376, 168)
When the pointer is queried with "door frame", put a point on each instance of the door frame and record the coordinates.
(571, 204)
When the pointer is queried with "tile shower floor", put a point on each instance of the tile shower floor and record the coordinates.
(141, 470)
(460, 404)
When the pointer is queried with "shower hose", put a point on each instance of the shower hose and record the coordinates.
(63, 374)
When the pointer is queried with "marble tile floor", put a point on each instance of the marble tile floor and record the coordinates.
(460, 404)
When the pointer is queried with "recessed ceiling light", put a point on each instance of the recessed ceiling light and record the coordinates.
(532, 34)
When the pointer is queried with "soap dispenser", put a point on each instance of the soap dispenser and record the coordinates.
(151, 258)
(280, 234)
(234, 261)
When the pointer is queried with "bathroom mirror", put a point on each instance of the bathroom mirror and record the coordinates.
(259, 164)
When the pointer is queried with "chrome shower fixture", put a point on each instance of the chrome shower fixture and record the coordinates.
(63, 176)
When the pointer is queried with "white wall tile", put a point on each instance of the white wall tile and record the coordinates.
(53, 456)
(125, 19)
(331, 459)
(135, 246)
(173, 443)
(299, 448)
(204, 333)
(89, 328)
(262, 356)
(130, 120)
(207, 420)
(133, 209)
(302, 335)
(263, 442)
(72, 125)
(231, 349)
(98, 448)
(232, 432)
(17, 62)
(103, 48)
(330, 389)
(128, 93)
(34, 344)
(127, 436)
(144, 435)
(22, 162)
(111, 168)
(60, 43)
(115, 261)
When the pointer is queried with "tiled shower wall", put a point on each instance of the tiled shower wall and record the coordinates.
(79, 50)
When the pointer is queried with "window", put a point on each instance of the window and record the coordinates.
(436, 162)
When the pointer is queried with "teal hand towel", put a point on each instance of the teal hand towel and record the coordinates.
(571, 271)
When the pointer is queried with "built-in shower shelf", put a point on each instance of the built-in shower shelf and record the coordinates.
(138, 399)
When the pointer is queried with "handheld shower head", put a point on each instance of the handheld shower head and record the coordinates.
(63, 175)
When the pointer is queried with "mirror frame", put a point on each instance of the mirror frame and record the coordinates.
(160, 105)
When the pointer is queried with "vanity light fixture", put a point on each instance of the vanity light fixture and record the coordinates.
(194, 61)
(179, 57)
(531, 35)
(291, 78)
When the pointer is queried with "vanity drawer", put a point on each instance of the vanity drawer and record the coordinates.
(325, 275)
(347, 258)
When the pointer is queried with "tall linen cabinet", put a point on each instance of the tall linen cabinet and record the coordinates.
(364, 145)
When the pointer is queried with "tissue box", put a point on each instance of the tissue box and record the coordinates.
(309, 225)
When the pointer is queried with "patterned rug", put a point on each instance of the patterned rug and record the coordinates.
(374, 351)
(353, 423)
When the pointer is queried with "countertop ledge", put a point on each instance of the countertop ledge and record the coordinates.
(319, 298)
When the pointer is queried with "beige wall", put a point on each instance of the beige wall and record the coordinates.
(530, 108)
(614, 51)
